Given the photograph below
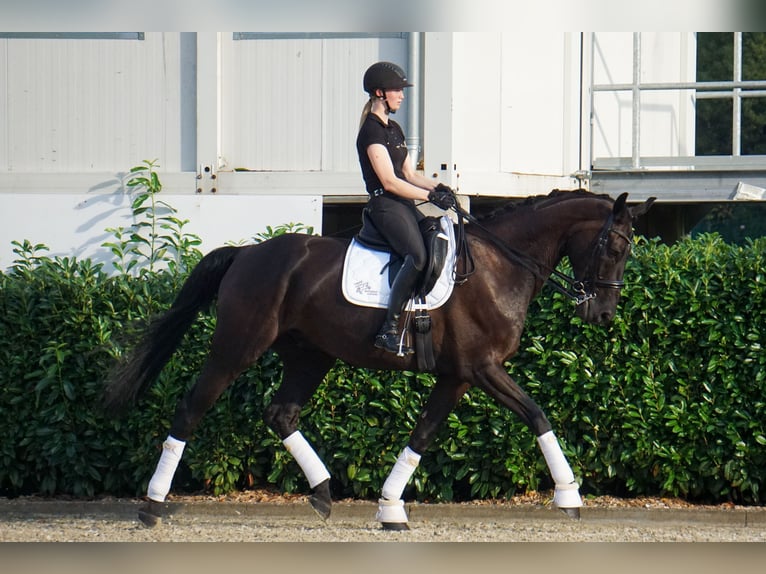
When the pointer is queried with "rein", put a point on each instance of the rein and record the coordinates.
(578, 291)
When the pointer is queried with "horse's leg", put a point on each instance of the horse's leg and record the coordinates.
(304, 369)
(497, 383)
(214, 378)
(444, 396)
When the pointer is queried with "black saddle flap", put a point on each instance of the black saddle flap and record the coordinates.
(437, 246)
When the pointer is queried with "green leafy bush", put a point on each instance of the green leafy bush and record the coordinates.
(668, 400)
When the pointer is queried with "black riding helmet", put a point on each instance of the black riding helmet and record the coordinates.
(384, 76)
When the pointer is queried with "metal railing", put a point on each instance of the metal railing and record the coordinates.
(736, 90)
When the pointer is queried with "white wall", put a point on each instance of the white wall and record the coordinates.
(89, 105)
(74, 224)
(503, 114)
(294, 104)
(507, 110)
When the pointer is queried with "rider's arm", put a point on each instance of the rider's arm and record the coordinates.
(384, 169)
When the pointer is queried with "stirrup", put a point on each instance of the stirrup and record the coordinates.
(389, 341)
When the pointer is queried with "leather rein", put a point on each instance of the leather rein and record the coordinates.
(579, 291)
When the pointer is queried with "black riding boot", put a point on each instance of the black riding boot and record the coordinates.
(401, 290)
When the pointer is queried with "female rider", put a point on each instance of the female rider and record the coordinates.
(394, 186)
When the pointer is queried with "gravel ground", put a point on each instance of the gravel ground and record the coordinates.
(444, 538)
(266, 517)
(215, 529)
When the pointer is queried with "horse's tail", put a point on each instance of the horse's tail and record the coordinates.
(131, 377)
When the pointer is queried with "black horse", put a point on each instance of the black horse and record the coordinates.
(285, 294)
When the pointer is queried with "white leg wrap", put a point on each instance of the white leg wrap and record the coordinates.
(557, 463)
(391, 511)
(400, 475)
(159, 485)
(567, 493)
(309, 461)
(567, 496)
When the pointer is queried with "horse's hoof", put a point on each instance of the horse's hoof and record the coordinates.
(149, 514)
(573, 513)
(321, 507)
(321, 501)
(395, 526)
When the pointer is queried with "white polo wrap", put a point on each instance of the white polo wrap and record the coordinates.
(391, 511)
(400, 475)
(566, 494)
(309, 461)
(159, 485)
(557, 463)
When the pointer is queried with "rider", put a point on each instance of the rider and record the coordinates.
(393, 186)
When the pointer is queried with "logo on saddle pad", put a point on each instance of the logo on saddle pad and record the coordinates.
(365, 273)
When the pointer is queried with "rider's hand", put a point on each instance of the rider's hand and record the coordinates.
(443, 197)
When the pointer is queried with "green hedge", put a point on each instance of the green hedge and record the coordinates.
(667, 401)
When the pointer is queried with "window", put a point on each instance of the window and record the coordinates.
(694, 100)
(731, 120)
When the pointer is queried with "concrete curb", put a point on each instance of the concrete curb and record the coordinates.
(126, 509)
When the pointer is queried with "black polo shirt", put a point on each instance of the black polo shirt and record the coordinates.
(374, 131)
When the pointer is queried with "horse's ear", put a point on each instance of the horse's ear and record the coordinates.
(619, 204)
(641, 209)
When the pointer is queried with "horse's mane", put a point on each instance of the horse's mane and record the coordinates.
(537, 202)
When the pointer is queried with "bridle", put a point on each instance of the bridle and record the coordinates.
(578, 290)
(586, 289)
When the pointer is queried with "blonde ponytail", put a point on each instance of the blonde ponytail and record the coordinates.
(365, 112)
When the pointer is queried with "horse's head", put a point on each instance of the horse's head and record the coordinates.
(598, 252)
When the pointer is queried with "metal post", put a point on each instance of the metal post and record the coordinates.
(736, 130)
(414, 142)
(636, 131)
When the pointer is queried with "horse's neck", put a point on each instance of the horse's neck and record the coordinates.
(542, 233)
(536, 233)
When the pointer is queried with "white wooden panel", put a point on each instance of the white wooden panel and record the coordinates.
(271, 104)
(91, 105)
(345, 61)
(3, 105)
(613, 58)
(540, 110)
(294, 104)
(667, 116)
(478, 71)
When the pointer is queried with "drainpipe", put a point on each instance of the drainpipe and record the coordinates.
(414, 140)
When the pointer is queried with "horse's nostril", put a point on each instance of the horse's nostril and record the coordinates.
(606, 317)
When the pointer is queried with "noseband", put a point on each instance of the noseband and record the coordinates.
(579, 291)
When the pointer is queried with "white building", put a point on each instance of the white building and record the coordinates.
(257, 129)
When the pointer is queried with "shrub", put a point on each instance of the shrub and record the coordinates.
(666, 401)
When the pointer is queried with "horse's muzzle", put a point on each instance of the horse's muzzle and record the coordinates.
(597, 310)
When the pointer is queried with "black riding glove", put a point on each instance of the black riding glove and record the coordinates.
(443, 197)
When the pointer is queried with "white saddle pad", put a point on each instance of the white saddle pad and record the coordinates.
(365, 274)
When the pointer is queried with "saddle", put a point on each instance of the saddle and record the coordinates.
(369, 258)
(433, 237)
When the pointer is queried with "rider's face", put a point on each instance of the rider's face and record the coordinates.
(394, 99)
